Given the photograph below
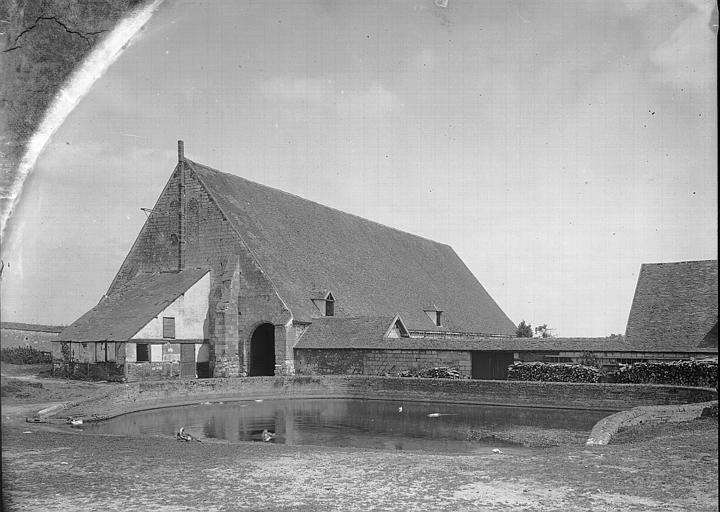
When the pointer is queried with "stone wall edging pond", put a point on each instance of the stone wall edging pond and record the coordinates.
(125, 398)
(606, 428)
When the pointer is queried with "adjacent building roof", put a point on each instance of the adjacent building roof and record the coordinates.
(120, 316)
(675, 306)
(367, 333)
(372, 270)
(31, 327)
(335, 332)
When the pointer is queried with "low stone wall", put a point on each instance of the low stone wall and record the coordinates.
(606, 428)
(123, 398)
(377, 362)
(39, 340)
(90, 371)
(158, 370)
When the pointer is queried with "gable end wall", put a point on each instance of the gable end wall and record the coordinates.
(241, 297)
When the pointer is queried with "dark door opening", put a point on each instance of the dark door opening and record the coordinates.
(491, 365)
(187, 360)
(202, 366)
(262, 351)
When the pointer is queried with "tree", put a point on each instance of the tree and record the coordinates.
(543, 331)
(524, 330)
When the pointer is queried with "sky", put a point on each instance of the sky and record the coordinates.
(556, 146)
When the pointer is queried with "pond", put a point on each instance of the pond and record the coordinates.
(382, 424)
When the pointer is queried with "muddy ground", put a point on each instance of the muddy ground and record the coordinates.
(669, 467)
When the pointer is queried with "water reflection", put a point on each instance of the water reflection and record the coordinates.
(384, 424)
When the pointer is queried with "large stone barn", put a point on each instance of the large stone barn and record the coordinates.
(675, 308)
(227, 276)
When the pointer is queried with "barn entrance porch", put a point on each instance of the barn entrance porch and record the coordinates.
(262, 351)
(491, 365)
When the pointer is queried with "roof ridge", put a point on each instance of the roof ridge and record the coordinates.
(681, 262)
(356, 317)
(319, 204)
(31, 327)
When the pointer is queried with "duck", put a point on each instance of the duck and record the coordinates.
(267, 435)
(74, 421)
(184, 436)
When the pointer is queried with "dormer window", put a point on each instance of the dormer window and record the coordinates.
(324, 302)
(397, 329)
(434, 314)
(329, 305)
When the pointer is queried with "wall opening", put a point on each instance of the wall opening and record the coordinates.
(262, 351)
(142, 353)
(491, 365)
(203, 361)
(187, 360)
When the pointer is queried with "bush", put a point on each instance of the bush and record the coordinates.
(24, 355)
(679, 373)
(18, 388)
(554, 372)
(710, 412)
(432, 373)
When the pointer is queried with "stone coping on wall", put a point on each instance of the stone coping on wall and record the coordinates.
(125, 398)
(606, 428)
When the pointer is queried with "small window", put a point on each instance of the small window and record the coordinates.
(324, 302)
(143, 353)
(169, 327)
(434, 314)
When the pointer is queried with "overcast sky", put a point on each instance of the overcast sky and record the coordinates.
(556, 146)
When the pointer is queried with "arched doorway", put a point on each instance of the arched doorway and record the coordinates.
(203, 361)
(262, 351)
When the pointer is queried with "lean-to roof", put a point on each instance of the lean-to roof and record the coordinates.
(118, 317)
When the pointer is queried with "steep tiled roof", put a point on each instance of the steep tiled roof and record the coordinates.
(371, 269)
(675, 306)
(31, 327)
(119, 316)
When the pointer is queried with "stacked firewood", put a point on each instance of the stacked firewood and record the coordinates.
(442, 372)
(680, 373)
(554, 372)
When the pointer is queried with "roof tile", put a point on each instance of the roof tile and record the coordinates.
(675, 306)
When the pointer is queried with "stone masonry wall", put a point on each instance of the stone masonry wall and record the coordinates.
(39, 340)
(241, 297)
(377, 362)
(123, 398)
(152, 371)
(606, 428)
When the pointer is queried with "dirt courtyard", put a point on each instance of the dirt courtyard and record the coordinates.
(670, 467)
